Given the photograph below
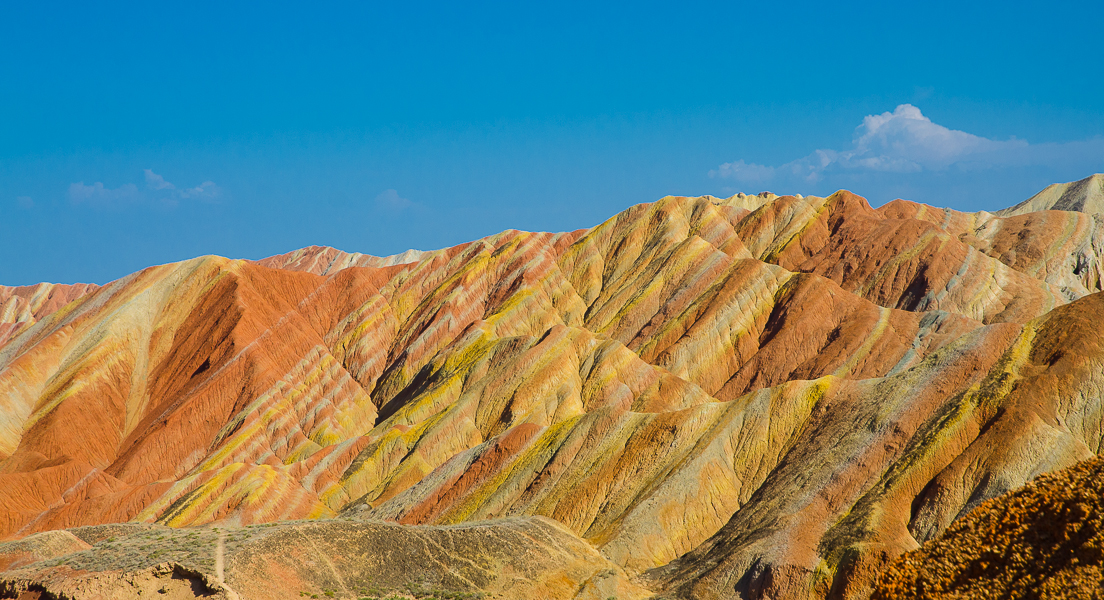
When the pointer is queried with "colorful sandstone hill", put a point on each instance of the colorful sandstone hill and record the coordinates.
(751, 397)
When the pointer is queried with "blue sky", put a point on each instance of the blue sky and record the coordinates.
(133, 134)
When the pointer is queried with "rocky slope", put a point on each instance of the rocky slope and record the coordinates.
(21, 307)
(1045, 540)
(1086, 195)
(518, 558)
(759, 395)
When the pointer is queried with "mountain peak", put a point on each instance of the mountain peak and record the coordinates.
(1084, 195)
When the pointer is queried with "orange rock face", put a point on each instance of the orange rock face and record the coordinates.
(1043, 541)
(770, 396)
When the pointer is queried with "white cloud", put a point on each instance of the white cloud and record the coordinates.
(391, 200)
(25, 202)
(99, 195)
(745, 172)
(157, 182)
(207, 189)
(905, 141)
(156, 189)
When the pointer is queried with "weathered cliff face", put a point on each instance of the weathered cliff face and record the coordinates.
(760, 395)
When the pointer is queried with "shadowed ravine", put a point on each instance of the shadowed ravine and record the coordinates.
(752, 397)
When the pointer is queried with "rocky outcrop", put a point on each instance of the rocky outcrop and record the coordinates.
(166, 580)
(1045, 540)
(770, 396)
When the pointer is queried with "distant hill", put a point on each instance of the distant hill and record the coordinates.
(1085, 195)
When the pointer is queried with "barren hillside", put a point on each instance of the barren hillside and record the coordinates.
(755, 397)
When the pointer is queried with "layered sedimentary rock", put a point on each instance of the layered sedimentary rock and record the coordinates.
(21, 307)
(323, 260)
(765, 396)
(1085, 195)
(896, 460)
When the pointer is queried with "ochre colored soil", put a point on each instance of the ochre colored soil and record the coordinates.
(1045, 540)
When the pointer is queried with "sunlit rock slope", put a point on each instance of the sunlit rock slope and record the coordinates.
(1043, 541)
(21, 307)
(1086, 195)
(520, 558)
(757, 397)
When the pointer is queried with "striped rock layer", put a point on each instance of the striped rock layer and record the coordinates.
(765, 396)
(21, 307)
